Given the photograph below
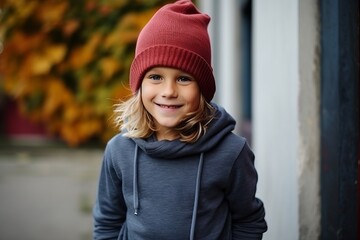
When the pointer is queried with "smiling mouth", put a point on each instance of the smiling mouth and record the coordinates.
(168, 106)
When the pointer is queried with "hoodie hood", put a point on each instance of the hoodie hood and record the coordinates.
(220, 126)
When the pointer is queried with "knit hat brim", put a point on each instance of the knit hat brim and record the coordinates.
(174, 57)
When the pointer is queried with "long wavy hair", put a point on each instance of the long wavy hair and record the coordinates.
(132, 116)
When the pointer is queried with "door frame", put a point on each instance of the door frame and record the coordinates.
(339, 119)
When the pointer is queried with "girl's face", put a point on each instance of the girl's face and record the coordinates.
(169, 94)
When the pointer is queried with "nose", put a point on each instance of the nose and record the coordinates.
(169, 89)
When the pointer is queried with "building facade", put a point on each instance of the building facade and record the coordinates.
(288, 71)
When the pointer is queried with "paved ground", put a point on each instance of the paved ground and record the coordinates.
(47, 193)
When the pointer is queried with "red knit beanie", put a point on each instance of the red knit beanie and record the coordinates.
(176, 36)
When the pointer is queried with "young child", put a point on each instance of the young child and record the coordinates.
(176, 171)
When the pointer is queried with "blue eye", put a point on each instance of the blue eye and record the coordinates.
(184, 79)
(154, 77)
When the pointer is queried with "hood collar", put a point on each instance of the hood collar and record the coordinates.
(219, 127)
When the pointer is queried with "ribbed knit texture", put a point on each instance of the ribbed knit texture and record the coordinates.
(176, 36)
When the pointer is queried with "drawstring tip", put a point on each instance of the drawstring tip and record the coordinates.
(136, 212)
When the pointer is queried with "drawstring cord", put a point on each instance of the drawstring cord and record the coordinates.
(197, 190)
(196, 199)
(135, 182)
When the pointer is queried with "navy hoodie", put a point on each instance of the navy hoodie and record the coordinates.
(170, 190)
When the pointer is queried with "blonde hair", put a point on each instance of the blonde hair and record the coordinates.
(132, 116)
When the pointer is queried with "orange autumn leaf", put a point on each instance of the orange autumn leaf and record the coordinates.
(71, 112)
(74, 133)
(55, 53)
(121, 92)
(128, 28)
(19, 87)
(36, 64)
(89, 127)
(57, 96)
(87, 82)
(83, 55)
(70, 27)
(11, 86)
(39, 63)
(109, 66)
(21, 43)
(24, 7)
(51, 12)
(69, 134)
(86, 111)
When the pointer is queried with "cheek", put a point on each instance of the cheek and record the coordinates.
(194, 100)
(146, 92)
(145, 101)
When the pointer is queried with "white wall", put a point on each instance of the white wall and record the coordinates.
(286, 115)
(275, 113)
(225, 33)
(286, 89)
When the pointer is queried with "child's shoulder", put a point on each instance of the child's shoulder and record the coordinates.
(231, 145)
(119, 141)
(233, 139)
(119, 150)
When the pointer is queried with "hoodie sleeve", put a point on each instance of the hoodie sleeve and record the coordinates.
(110, 210)
(247, 212)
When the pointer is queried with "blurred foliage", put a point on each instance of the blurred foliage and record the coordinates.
(66, 62)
